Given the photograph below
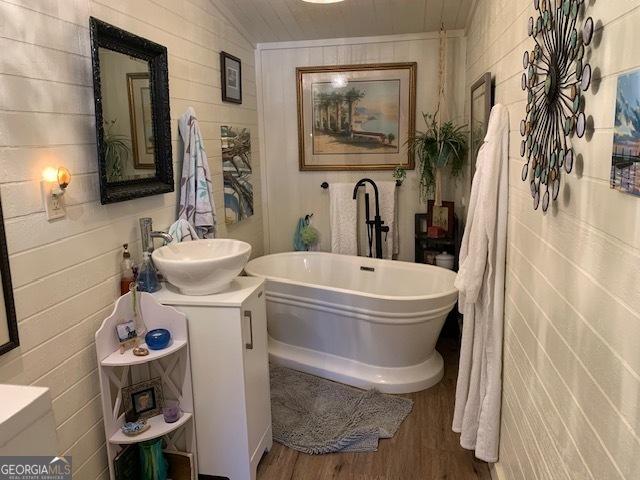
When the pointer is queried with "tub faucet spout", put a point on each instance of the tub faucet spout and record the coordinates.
(377, 225)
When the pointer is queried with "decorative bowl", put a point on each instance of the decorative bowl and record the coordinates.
(158, 339)
(134, 428)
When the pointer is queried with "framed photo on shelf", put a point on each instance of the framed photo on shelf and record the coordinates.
(181, 465)
(231, 71)
(126, 464)
(441, 220)
(144, 399)
(356, 117)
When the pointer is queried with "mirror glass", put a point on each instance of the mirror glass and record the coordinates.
(127, 113)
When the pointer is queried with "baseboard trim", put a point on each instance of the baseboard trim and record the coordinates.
(497, 472)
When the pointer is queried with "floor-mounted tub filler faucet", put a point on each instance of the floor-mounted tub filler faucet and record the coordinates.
(377, 225)
(147, 234)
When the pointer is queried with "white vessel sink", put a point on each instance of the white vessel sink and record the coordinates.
(202, 267)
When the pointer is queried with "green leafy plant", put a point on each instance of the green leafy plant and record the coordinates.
(438, 147)
(399, 173)
(116, 151)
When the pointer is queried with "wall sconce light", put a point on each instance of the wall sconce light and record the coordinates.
(54, 183)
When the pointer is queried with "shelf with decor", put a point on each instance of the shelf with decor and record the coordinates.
(158, 428)
(435, 232)
(117, 359)
(140, 386)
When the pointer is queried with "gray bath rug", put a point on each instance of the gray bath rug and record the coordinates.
(314, 415)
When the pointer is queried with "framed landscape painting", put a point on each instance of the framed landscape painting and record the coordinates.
(356, 117)
(625, 165)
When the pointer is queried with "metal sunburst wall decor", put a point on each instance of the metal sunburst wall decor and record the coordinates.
(555, 79)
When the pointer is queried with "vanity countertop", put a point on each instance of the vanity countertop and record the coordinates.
(21, 406)
(234, 296)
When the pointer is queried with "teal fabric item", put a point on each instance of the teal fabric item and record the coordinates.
(153, 465)
(298, 244)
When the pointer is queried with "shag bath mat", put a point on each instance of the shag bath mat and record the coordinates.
(314, 415)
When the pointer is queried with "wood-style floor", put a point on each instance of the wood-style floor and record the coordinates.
(424, 447)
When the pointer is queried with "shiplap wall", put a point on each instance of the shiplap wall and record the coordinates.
(290, 193)
(571, 358)
(66, 273)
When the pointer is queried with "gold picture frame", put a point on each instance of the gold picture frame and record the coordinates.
(145, 399)
(356, 117)
(142, 143)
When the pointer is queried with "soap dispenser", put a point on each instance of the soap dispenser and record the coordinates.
(147, 277)
(126, 266)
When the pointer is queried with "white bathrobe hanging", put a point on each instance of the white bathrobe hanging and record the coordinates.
(481, 285)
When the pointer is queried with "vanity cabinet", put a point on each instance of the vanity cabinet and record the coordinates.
(230, 372)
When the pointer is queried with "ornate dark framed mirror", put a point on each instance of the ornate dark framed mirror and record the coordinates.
(481, 104)
(9, 324)
(133, 121)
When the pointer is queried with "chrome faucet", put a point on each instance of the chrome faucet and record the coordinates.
(147, 234)
(377, 225)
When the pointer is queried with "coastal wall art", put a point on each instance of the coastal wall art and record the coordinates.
(625, 163)
(237, 172)
(356, 117)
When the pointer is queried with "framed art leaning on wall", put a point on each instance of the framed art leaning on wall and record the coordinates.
(356, 117)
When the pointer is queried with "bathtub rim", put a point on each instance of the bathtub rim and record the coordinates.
(443, 294)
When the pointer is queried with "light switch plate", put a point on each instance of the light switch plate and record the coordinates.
(53, 204)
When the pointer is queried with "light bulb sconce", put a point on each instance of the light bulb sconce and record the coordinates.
(54, 183)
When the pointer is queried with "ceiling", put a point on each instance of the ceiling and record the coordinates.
(287, 20)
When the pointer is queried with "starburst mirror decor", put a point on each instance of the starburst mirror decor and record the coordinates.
(555, 78)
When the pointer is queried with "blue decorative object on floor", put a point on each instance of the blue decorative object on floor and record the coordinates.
(152, 462)
(158, 339)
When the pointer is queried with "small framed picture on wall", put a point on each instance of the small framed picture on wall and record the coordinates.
(231, 71)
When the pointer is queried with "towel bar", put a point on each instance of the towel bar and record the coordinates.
(325, 185)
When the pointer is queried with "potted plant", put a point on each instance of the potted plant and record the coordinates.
(116, 151)
(439, 147)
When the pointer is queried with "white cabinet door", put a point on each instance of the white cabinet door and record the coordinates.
(256, 370)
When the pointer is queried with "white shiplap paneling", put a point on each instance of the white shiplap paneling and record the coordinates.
(571, 367)
(66, 273)
(290, 193)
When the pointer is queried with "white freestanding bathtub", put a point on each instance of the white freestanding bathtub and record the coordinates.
(365, 322)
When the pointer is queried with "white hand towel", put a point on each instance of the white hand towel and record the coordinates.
(196, 191)
(343, 218)
(182, 231)
(387, 192)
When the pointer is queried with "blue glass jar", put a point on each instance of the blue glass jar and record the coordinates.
(158, 339)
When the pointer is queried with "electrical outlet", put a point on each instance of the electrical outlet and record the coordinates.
(53, 203)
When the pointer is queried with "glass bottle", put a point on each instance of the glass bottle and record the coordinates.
(126, 270)
(147, 276)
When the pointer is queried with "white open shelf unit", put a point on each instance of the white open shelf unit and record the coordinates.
(172, 364)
